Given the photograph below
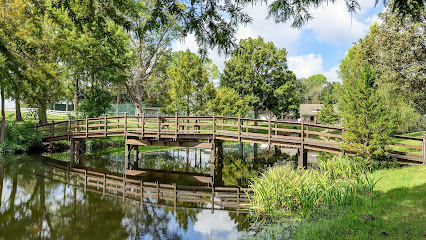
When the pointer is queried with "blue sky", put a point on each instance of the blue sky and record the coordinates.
(316, 48)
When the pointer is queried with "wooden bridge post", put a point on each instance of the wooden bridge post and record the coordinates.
(239, 127)
(69, 129)
(135, 156)
(77, 149)
(159, 126)
(223, 121)
(127, 156)
(213, 159)
(143, 125)
(52, 130)
(303, 156)
(125, 125)
(214, 126)
(87, 127)
(106, 125)
(176, 126)
(269, 129)
(424, 148)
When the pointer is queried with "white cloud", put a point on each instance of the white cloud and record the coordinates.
(306, 65)
(213, 223)
(334, 24)
(331, 74)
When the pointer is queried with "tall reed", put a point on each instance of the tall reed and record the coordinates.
(285, 190)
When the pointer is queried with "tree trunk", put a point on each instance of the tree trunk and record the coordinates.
(118, 104)
(42, 115)
(3, 116)
(67, 108)
(76, 98)
(18, 108)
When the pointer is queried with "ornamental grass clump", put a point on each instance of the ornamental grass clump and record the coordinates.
(285, 190)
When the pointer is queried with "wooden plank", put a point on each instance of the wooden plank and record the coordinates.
(409, 137)
(323, 134)
(407, 146)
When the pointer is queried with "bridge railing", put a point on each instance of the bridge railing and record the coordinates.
(126, 187)
(273, 132)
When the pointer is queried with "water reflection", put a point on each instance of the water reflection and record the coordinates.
(239, 164)
(34, 204)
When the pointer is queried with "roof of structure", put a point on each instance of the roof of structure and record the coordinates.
(310, 109)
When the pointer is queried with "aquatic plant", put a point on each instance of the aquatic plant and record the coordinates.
(283, 190)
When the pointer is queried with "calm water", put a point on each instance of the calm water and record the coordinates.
(35, 206)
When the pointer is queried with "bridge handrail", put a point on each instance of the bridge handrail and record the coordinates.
(226, 128)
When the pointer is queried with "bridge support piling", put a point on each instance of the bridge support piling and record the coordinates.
(216, 157)
(303, 158)
(128, 164)
(77, 150)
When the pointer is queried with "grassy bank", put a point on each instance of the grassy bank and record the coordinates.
(395, 210)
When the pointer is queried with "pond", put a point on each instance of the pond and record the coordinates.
(41, 199)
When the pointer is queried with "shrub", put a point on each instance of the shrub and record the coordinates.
(20, 137)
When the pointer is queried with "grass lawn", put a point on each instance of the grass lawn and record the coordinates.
(396, 211)
(10, 116)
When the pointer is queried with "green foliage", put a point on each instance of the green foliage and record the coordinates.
(20, 138)
(96, 101)
(228, 102)
(369, 123)
(283, 190)
(258, 72)
(332, 88)
(299, 11)
(327, 114)
(189, 84)
(399, 69)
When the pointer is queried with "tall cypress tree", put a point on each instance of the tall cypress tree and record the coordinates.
(327, 114)
(369, 123)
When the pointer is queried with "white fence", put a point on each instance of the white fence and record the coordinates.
(49, 112)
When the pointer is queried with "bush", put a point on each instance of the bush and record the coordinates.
(282, 190)
(20, 137)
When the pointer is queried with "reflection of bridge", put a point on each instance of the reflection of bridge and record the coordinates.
(210, 132)
(135, 188)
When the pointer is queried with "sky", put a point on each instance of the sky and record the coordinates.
(316, 48)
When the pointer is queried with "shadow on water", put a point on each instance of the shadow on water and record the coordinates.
(38, 202)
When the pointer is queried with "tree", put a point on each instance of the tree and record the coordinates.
(395, 52)
(313, 87)
(258, 72)
(332, 88)
(369, 123)
(327, 114)
(228, 102)
(398, 55)
(96, 101)
(189, 84)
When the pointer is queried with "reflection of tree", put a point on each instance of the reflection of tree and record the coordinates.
(242, 220)
(237, 171)
(41, 208)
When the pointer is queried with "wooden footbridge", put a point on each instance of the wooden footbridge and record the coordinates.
(210, 132)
